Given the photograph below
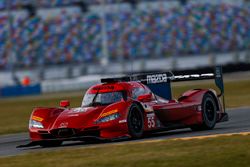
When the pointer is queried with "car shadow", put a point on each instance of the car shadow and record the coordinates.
(157, 135)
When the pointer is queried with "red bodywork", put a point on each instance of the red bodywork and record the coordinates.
(159, 114)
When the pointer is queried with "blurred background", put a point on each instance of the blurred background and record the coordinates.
(65, 45)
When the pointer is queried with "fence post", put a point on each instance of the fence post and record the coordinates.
(247, 56)
(174, 61)
(70, 71)
(212, 60)
(143, 65)
(236, 57)
(83, 69)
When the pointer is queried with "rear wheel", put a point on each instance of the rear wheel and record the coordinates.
(51, 143)
(135, 121)
(208, 114)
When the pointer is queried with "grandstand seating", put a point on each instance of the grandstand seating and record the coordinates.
(48, 3)
(66, 37)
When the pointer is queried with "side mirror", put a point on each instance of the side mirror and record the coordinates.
(64, 103)
(145, 98)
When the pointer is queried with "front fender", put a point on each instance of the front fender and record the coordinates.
(46, 115)
(121, 107)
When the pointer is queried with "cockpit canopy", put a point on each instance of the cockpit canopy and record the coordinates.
(107, 98)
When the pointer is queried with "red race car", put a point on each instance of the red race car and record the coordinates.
(128, 107)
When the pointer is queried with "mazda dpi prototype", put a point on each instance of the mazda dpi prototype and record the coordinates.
(129, 107)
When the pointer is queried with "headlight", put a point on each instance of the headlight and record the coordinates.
(108, 118)
(35, 124)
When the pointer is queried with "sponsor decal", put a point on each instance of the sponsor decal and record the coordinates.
(123, 121)
(150, 115)
(218, 73)
(199, 108)
(148, 108)
(158, 123)
(79, 110)
(35, 118)
(109, 113)
(193, 76)
(64, 125)
(157, 78)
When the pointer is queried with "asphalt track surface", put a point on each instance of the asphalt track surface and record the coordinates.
(239, 121)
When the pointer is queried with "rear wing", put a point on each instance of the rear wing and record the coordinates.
(160, 82)
(217, 76)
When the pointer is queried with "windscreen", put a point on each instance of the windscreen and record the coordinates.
(102, 98)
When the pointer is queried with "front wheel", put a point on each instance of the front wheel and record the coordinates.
(135, 121)
(208, 114)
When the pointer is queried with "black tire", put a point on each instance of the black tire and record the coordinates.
(51, 144)
(135, 121)
(209, 114)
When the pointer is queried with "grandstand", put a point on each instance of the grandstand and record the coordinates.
(51, 32)
(17, 4)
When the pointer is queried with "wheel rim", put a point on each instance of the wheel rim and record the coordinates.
(209, 110)
(136, 120)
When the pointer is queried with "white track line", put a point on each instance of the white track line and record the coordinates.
(198, 137)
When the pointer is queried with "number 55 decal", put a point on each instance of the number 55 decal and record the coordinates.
(151, 120)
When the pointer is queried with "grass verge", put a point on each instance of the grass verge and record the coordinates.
(222, 151)
(14, 112)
